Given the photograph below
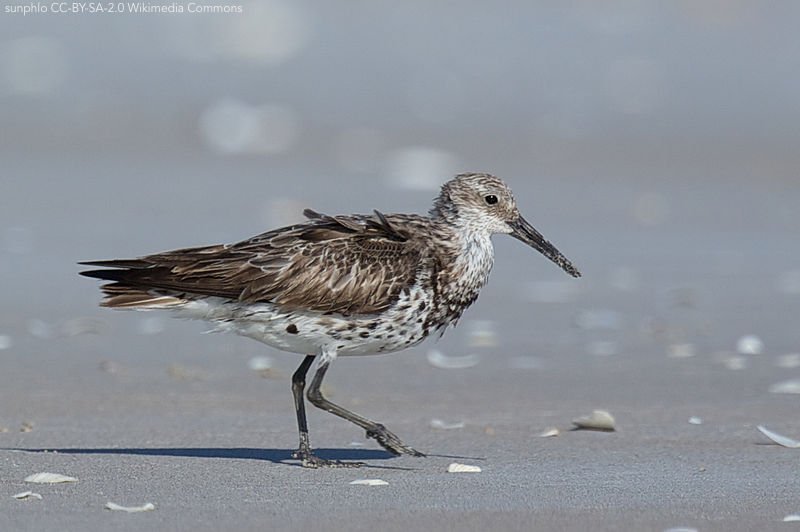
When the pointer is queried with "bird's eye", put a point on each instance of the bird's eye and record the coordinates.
(491, 199)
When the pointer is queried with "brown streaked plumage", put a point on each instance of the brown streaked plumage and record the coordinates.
(337, 285)
(344, 264)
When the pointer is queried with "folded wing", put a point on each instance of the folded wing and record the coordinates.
(343, 264)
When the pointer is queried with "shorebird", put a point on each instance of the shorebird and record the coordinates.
(337, 285)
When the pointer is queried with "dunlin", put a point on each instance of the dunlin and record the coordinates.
(337, 285)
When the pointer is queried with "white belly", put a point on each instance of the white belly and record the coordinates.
(311, 332)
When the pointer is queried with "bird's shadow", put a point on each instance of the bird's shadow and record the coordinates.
(278, 456)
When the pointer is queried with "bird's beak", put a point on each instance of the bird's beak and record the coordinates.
(525, 232)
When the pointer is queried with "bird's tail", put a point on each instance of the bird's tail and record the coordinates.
(126, 296)
(122, 297)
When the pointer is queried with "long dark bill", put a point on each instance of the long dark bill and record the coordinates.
(525, 232)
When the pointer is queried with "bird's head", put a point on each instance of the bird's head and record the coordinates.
(483, 203)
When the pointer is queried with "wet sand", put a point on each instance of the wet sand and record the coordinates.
(141, 408)
(654, 143)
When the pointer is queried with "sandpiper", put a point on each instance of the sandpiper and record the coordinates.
(337, 285)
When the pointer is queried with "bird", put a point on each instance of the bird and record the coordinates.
(343, 285)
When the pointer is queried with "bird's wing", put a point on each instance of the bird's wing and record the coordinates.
(343, 264)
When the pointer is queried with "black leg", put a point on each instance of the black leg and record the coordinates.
(303, 452)
(384, 437)
(298, 387)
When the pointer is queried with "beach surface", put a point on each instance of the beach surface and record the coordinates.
(655, 144)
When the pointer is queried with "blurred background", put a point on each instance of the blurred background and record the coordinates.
(656, 144)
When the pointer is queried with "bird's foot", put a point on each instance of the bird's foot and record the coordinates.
(312, 461)
(390, 442)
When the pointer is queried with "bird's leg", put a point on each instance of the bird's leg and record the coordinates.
(381, 434)
(298, 387)
(303, 452)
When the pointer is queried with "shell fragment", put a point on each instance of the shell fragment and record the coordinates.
(780, 439)
(444, 425)
(49, 478)
(260, 363)
(791, 518)
(462, 468)
(790, 386)
(147, 507)
(598, 420)
(439, 360)
(750, 345)
(369, 482)
(549, 433)
(25, 495)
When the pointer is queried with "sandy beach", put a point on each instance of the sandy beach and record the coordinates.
(677, 200)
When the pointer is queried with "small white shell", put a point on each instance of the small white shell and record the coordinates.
(439, 360)
(549, 433)
(780, 439)
(147, 507)
(369, 482)
(790, 386)
(260, 363)
(750, 345)
(27, 495)
(444, 425)
(598, 420)
(791, 518)
(694, 420)
(462, 468)
(49, 478)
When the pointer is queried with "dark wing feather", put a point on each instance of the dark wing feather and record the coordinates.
(344, 264)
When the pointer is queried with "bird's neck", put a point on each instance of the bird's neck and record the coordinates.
(470, 248)
(474, 260)
(470, 259)
(476, 255)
